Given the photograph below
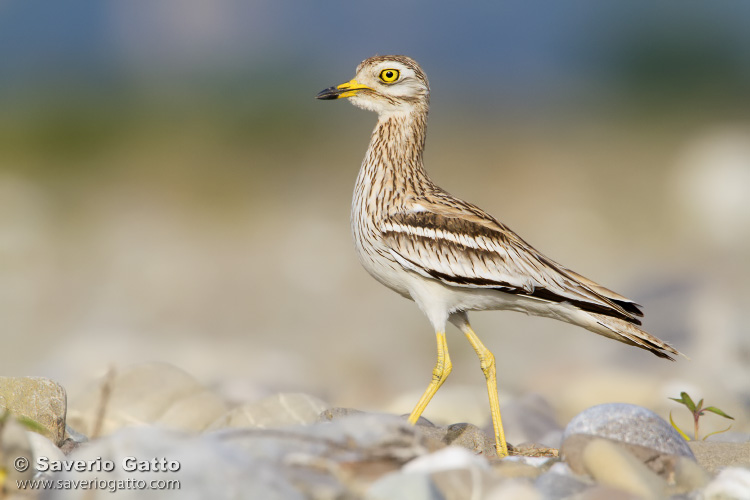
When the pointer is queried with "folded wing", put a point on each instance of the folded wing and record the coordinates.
(461, 245)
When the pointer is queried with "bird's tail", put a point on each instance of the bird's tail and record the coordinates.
(628, 333)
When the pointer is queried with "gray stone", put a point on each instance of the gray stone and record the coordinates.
(472, 438)
(208, 468)
(361, 447)
(638, 430)
(400, 486)
(38, 399)
(712, 456)
(422, 421)
(468, 436)
(367, 436)
(465, 435)
(279, 410)
(43, 447)
(630, 424)
(73, 439)
(456, 471)
(559, 483)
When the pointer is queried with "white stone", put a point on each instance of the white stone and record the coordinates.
(451, 457)
(732, 483)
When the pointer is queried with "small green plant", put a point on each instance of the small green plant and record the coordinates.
(697, 411)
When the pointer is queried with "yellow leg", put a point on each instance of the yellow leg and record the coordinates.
(441, 371)
(487, 362)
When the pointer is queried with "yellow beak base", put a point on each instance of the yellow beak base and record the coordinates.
(348, 89)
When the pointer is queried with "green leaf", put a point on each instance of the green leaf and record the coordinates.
(685, 436)
(685, 399)
(717, 432)
(700, 405)
(714, 409)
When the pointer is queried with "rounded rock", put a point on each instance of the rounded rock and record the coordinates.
(629, 424)
(638, 430)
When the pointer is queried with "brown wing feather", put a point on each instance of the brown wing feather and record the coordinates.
(461, 245)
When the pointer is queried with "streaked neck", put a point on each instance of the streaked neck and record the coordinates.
(392, 171)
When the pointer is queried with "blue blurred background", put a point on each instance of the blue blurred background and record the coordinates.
(171, 190)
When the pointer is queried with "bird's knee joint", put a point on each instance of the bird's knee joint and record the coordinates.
(441, 371)
(487, 362)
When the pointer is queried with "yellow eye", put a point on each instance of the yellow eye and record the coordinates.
(389, 75)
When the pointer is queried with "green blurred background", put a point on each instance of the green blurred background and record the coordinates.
(171, 190)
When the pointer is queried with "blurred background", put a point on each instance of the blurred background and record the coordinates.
(170, 190)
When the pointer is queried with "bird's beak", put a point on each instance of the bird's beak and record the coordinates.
(347, 89)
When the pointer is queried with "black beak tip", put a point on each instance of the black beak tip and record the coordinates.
(328, 94)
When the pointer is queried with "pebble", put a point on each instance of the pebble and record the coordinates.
(292, 462)
(612, 465)
(640, 431)
(43, 447)
(732, 483)
(141, 394)
(400, 486)
(460, 473)
(465, 435)
(357, 438)
(208, 468)
(451, 457)
(560, 482)
(278, 410)
(471, 437)
(291, 446)
(39, 399)
(14, 445)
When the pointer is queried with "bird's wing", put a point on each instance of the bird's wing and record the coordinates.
(461, 245)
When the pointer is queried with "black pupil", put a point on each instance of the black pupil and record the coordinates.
(389, 74)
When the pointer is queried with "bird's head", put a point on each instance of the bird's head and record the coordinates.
(386, 85)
